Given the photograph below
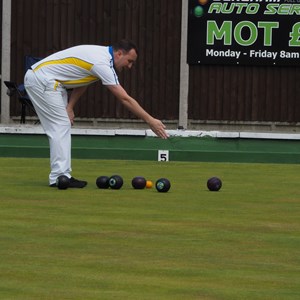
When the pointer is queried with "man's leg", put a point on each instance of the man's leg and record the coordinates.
(50, 104)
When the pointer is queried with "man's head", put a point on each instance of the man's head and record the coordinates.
(125, 54)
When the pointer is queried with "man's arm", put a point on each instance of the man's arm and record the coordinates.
(131, 104)
(73, 99)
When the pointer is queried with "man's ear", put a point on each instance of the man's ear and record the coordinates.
(119, 53)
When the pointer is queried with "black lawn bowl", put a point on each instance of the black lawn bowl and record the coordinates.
(62, 182)
(115, 182)
(214, 184)
(138, 182)
(163, 185)
(102, 182)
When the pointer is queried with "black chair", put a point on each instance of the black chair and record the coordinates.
(13, 88)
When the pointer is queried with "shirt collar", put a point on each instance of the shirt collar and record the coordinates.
(111, 51)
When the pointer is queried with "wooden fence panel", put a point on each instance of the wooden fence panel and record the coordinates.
(244, 93)
(41, 27)
(218, 93)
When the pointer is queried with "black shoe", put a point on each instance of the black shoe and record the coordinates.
(74, 183)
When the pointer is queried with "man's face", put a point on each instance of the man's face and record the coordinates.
(124, 60)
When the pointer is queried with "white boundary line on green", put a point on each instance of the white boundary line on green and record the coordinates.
(37, 129)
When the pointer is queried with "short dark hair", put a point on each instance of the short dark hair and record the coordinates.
(125, 45)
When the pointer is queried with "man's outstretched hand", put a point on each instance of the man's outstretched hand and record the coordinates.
(158, 128)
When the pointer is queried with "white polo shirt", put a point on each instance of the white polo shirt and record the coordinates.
(78, 66)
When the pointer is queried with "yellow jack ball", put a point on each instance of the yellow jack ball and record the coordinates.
(149, 184)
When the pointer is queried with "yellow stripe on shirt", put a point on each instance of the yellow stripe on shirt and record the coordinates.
(85, 80)
(67, 61)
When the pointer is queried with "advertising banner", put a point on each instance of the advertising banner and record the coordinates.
(247, 32)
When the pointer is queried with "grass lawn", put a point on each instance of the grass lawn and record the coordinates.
(242, 242)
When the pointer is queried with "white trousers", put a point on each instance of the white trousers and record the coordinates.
(50, 103)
